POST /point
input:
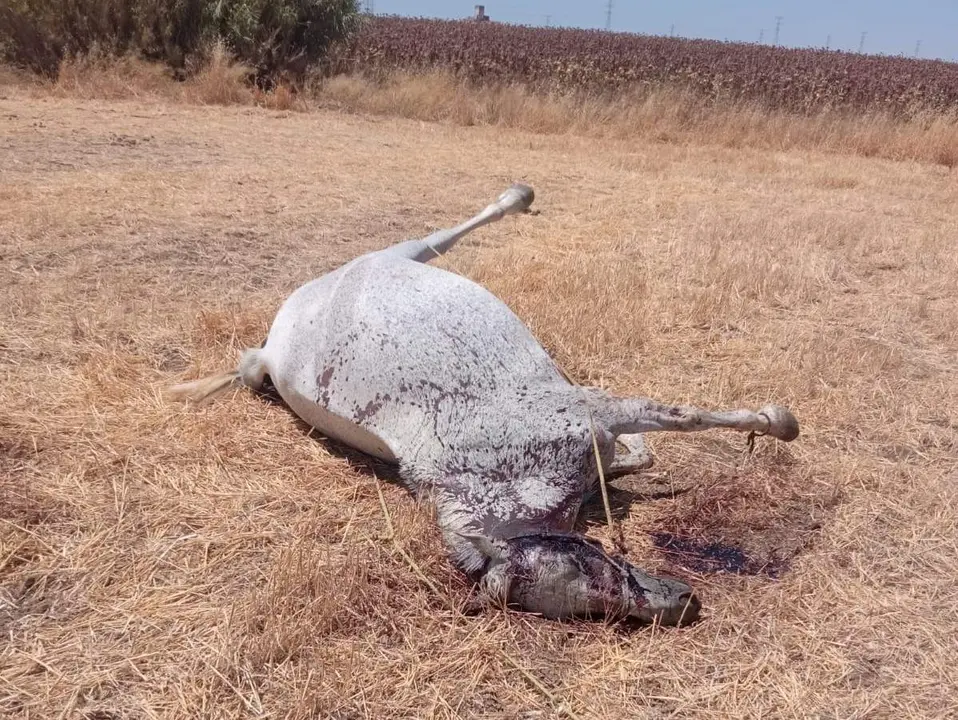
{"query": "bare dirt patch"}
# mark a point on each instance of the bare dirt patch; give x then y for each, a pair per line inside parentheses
(157, 561)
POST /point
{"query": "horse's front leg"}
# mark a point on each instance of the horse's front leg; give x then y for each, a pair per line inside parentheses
(625, 416)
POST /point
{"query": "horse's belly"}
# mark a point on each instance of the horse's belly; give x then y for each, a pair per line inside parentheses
(388, 355)
(368, 439)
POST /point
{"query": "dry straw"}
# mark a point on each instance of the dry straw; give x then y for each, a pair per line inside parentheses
(165, 562)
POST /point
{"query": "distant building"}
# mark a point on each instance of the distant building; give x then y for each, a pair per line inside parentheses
(480, 15)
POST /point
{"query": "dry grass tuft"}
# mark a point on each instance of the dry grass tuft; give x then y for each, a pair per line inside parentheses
(110, 78)
(221, 81)
(158, 560)
(282, 97)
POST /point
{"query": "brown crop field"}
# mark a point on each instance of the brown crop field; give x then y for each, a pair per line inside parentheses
(604, 63)
(223, 561)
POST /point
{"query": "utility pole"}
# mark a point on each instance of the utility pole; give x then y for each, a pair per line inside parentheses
(861, 43)
(917, 48)
(828, 42)
(761, 35)
(548, 20)
(608, 15)
(672, 30)
(778, 24)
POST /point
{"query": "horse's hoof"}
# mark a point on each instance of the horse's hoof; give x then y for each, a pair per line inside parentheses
(781, 423)
(517, 198)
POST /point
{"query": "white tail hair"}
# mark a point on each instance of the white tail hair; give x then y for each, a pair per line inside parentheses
(251, 373)
(204, 388)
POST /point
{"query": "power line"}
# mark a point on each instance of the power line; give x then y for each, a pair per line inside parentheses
(778, 24)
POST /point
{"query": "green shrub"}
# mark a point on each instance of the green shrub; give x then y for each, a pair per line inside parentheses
(271, 36)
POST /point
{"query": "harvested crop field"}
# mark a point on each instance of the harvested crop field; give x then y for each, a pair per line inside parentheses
(168, 561)
(598, 62)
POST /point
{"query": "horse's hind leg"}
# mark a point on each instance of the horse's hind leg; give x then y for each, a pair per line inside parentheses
(517, 198)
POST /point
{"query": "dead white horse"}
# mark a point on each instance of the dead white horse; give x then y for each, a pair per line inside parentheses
(422, 368)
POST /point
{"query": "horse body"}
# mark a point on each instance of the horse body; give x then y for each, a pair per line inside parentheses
(424, 369)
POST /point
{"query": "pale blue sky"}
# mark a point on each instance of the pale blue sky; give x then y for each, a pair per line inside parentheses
(892, 27)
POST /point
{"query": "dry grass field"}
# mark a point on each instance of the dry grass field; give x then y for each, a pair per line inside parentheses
(166, 561)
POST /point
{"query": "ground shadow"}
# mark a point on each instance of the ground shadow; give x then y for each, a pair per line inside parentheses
(621, 500)
(361, 462)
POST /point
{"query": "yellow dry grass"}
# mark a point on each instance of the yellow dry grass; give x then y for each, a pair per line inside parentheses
(219, 81)
(160, 561)
(662, 115)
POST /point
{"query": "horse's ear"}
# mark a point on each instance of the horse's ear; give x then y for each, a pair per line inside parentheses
(492, 548)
